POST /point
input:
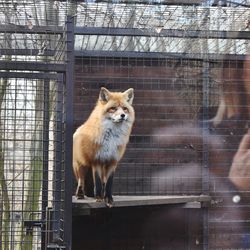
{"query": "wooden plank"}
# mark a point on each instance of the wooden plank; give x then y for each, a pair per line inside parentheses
(83, 206)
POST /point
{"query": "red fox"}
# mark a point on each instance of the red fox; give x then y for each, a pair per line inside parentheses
(101, 141)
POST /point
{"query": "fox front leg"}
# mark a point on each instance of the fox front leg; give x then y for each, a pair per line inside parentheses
(108, 191)
(79, 190)
(98, 187)
(80, 173)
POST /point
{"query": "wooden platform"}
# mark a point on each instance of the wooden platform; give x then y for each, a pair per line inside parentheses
(84, 206)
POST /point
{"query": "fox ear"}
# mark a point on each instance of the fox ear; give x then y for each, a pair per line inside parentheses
(104, 95)
(129, 95)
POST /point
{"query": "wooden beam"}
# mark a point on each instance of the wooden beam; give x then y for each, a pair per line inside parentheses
(83, 206)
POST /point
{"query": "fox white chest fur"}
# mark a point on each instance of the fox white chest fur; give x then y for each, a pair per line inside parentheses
(112, 136)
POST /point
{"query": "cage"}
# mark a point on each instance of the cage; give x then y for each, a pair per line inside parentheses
(188, 62)
(34, 125)
(182, 58)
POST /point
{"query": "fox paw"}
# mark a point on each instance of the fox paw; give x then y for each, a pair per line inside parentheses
(109, 202)
(79, 193)
(99, 199)
(80, 196)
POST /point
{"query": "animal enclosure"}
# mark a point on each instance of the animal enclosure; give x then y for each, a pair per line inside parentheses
(35, 126)
(189, 65)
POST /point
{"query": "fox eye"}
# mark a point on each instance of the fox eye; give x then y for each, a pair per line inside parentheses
(112, 109)
(125, 109)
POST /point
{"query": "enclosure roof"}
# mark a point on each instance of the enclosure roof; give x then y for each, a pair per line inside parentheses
(138, 26)
(162, 28)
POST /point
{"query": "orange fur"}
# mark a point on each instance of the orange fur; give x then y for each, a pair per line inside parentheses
(101, 141)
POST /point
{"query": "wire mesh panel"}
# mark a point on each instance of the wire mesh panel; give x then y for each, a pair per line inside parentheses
(32, 162)
(188, 62)
(167, 94)
(33, 127)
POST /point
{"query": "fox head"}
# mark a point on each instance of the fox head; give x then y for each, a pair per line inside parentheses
(117, 106)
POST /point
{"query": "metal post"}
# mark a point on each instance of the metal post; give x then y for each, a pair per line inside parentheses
(205, 129)
(45, 156)
(205, 153)
(69, 132)
(57, 187)
(48, 227)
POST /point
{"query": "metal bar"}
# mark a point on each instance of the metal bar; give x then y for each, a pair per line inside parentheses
(32, 66)
(22, 29)
(205, 229)
(205, 132)
(54, 246)
(26, 52)
(158, 55)
(205, 148)
(57, 177)
(152, 2)
(49, 227)
(166, 2)
(26, 75)
(46, 118)
(187, 229)
(207, 34)
(226, 3)
(69, 131)
(205, 128)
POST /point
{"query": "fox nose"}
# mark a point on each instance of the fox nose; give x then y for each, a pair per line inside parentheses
(122, 116)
